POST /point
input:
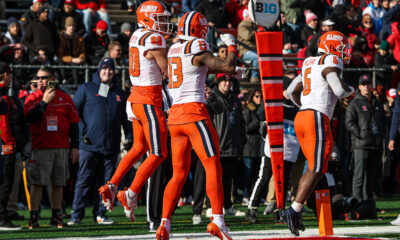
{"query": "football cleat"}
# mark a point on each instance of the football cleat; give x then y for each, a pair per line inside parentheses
(294, 221)
(107, 193)
(220, 232)
(128, 203)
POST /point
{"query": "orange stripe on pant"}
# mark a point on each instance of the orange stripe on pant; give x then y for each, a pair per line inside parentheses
(149, 133)
(204, 139)
(314, 134)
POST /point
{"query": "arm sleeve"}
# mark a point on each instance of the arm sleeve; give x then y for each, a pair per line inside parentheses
(74, 135)
(291, 87)
(36, 113)
(336, 86)
(394, 127)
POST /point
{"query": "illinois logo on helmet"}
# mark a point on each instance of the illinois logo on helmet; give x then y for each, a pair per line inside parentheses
(154, 16)
(334, 42)
(192, 25)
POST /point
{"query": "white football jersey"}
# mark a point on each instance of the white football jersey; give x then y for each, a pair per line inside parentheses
(317, 94)
(186, 81)
(142, 71)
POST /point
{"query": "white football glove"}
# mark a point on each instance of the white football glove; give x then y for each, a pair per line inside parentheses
(228, 39)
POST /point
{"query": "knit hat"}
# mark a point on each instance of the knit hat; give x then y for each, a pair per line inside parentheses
(35, 1)
(384, 45)
(309, 16)
(102, 25)
(70, 21)
(11, 21)
(106, 63)
(72, 2)
(43, 9)
(391, 93)
(125, 26)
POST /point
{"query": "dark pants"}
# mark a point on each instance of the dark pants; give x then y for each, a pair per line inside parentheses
(95, 170)
(228, 171)
(199, 184)
(7, 174)
(366, 166)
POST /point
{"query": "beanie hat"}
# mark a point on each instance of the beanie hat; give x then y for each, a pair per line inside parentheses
(102, 25)
(11, 21)
(69, 2)
(35, 1)
(384, 45)
(309, 16)
(106, 63)
(391, 93)
(125, 26)
(69, 21)
(43, 9)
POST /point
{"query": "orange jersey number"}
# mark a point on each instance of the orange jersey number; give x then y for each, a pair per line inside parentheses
(156, 40)
(134, 69)
(307, 82)
(177, 61)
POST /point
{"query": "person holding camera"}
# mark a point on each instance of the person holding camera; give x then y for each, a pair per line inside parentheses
(102, 109)
(54, 134)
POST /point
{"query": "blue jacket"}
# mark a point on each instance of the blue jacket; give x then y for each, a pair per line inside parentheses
(101, 118)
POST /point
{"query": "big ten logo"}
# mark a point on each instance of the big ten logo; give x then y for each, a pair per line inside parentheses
(288, 129)
(317, 196)
(270, 8)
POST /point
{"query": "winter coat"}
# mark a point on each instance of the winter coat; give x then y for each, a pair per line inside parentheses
(41, 34)
(365, 122)
(253, 136)
(246, 34)
(384, 78)
(101, 117)
(394, 41)
(95, 48)
(66, 52)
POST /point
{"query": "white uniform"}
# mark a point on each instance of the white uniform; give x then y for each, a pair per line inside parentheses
(317, 94)
(142, 71)
(186, 80)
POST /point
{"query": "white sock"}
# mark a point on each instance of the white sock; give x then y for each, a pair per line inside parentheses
(131, 194)
(219, 220)
(167, 224)
(297, 206)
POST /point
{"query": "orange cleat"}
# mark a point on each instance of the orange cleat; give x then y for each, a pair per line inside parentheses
(129, 204)
(107, 193)
(220, 232)
(162, 233)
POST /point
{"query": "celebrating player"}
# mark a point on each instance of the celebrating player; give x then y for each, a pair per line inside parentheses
(147, 69)
(189, 123)
(316, 90)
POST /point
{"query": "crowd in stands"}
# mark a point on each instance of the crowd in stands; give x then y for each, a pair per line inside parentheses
(77, 32)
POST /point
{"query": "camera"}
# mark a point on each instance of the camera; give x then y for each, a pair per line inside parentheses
(51, 84)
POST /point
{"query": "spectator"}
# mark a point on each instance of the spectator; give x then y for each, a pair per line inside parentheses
(388, 18)
(231, 142)
(346, 19)
(215, 13)
(394, 40)
(290, 40)
(32, 14)
(311, 27)
(188, 5)
(14, 33)
(71, 50)
(294, 13)
(356, 61)
(93, 9)
(367, 53)
(123, 38)
(368, 32)
(312, 48)
(376, 11)
(115, 53)
(7, 159)
(365, 121)
(384, 59)
(246, 34)
(68, 10)
(21, 75)
(41, 32)
(101, 107)
(54, 133)
(235, 9)
(252, 148)
(96, 43)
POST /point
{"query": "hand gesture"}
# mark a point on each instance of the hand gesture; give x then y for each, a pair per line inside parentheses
(228, 39)
(49, 95)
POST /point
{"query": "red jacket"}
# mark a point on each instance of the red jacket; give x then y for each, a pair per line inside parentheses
(94, 4)
(394, 41)
(6, 134)
(52, 128)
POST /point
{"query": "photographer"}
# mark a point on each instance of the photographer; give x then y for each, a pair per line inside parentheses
(54, 121)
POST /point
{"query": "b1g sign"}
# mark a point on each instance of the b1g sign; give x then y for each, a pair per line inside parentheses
(264, 12)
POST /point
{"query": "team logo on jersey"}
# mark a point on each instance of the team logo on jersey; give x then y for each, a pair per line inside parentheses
(148, 8)
(118, 98)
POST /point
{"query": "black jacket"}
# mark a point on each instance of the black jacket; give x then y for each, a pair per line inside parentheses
(361, 117)
(384, 78)
(41, 34)
(95, 48)
(230, 126)
(253, 136)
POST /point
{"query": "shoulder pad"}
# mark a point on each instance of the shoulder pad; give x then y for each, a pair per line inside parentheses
(149, 40)
(196, 46)
(331, 60)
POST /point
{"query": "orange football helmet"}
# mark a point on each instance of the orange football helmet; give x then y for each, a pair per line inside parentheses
(334, 42)
(154, 16)
(192, 25)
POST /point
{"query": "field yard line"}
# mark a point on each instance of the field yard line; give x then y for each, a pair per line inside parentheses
(270, 234)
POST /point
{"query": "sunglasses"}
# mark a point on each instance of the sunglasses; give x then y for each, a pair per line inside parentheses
(367, 22)
(42, 77)
(257, 96)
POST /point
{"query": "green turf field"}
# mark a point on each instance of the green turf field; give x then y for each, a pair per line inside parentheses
(182, 222)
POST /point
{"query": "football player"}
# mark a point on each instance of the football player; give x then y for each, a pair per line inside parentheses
(147, 69)
(316, 91)
(189, 60)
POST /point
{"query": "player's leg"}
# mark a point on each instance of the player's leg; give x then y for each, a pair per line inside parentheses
(181, 148)
(204, 139)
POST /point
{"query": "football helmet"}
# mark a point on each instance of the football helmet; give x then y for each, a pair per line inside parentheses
(192, 25)
(334, 42)
(154, 16)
